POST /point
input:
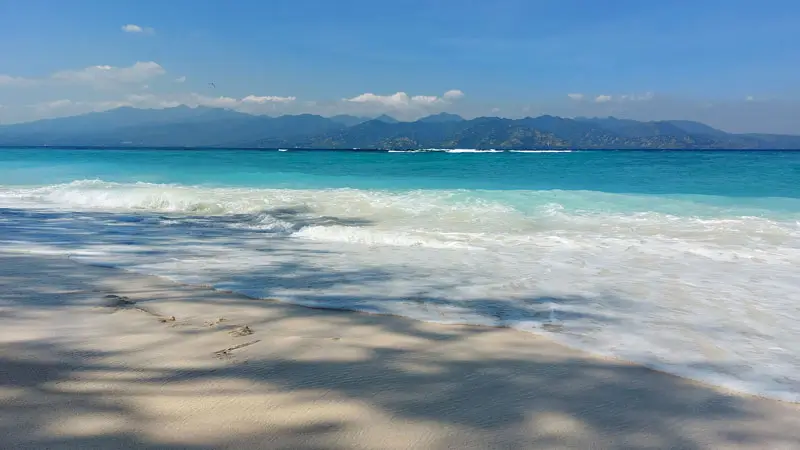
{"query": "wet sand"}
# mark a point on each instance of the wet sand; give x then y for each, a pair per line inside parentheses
(95, 357)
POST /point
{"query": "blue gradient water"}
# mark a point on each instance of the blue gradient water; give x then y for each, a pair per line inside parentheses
(684, 261)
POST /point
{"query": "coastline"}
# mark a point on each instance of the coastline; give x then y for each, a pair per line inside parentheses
(84, 369)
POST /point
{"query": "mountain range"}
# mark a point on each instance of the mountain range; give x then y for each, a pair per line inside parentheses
(183, 126)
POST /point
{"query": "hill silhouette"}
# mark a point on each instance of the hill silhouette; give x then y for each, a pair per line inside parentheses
(183, 126)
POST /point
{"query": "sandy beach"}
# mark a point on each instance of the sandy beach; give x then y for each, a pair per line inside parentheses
(94, 357)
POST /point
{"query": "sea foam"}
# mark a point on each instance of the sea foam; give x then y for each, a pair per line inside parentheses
(693, 286)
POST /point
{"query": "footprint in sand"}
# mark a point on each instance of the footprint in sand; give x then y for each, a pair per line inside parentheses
(121, 302)
(211, 323)
(227, 353)
(118, 301)
(241, 331)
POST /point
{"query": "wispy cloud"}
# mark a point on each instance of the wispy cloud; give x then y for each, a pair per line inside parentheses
(575, 96)
(100, 76)
(108, 75)
(397, 100)
(63, 107)
(8, 80)
(637, 97)
(453, 94)
(602, 98)
(67, 107)
(180, 79)
(132, 28)
(249, 103)
(267, 99)
(401, 100)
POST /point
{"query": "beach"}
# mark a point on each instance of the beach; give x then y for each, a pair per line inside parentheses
(97, 357)
(482, 234)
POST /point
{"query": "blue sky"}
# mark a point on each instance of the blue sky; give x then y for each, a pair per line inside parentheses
(734, 63)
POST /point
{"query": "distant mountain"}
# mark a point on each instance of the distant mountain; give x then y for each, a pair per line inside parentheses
(125, 117)
(220, 128)
(385, 118)
(441, 118)
(348, 120)
(635, 129)
(170, 127)
(696, 127)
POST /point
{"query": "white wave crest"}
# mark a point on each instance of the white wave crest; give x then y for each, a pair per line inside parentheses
(470, 150)
(686, 285)
(540, 151)
(366, 236)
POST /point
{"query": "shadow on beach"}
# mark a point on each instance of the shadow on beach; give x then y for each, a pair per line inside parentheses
(462, 386)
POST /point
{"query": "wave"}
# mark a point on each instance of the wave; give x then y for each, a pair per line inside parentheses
(540, 151)
(354, 235)
(497, 212)
(643, 278)
(471, 150)
(447, 150)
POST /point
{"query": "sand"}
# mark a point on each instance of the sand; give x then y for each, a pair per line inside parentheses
(95, 357)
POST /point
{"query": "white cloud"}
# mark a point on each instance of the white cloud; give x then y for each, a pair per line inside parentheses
(425, 99)
(397, 100)
(217, 102)
(749, 98)
(575, 96)
(102, 76)
(180, 79)
(602, 98)
(251, 103)
(8, 80)
(268, 99)
(495, 110)
(131, 28)
(108, 75)
(638, 97)
(402, 101)
(453, 94)
(66, 107)
(147, 101)
(57, 104)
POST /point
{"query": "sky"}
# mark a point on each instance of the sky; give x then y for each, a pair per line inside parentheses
(733, 64)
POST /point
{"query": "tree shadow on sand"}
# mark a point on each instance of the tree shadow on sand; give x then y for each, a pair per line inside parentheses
(484, 387)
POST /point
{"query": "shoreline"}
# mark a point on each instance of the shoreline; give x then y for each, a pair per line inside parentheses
(589, 354)
(82, 373)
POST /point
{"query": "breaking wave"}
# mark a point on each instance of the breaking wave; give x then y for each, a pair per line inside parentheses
(644, 278)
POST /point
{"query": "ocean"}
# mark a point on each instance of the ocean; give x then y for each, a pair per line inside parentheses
(684, 261)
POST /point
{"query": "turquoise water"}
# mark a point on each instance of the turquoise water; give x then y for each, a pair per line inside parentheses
(724, 173)
(683, 261)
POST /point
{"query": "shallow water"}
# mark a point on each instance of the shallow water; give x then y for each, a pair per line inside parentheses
(684, 261)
